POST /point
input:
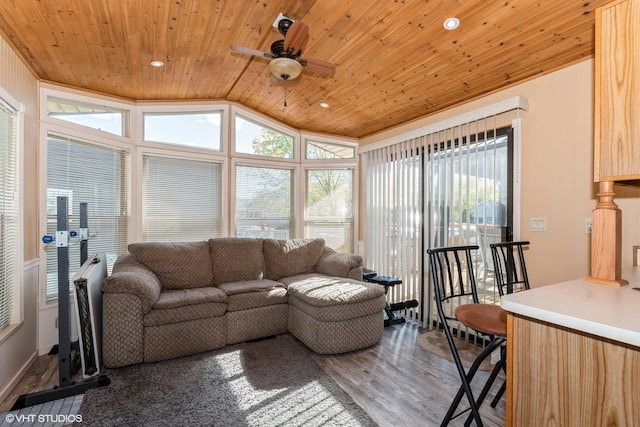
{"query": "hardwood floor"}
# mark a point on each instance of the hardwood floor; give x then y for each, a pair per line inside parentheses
(396, 381)
(401, 384)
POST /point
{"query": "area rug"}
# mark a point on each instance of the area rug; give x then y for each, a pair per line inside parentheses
(436, 342)
(273, 382)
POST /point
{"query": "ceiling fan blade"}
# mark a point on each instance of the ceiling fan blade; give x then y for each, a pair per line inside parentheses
(250, 51)
(318, 66)
(296, 37)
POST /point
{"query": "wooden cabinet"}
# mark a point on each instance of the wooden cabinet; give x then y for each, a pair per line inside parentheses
(558, 376)
(617, 93)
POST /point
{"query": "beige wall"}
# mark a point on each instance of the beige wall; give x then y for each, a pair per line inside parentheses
(557, 171)
(18, 348)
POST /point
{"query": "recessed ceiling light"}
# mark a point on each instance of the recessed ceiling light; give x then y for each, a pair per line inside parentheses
(451, 23)
(156, 63)
(324, 105)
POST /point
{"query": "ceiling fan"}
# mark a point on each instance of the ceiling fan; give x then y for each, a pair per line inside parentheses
(286, 62)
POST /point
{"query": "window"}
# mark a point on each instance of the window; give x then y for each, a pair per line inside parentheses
(181, 199)
(264, 202)
(323, 150)
(9, 211)
(106, 119)
(252, 138)
(329, 207)
(202, 129)
(86, 172)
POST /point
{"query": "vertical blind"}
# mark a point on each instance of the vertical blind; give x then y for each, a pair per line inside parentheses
(393, 216)
(181, 200)
(87, 172)
(9, 210)
(446, 186)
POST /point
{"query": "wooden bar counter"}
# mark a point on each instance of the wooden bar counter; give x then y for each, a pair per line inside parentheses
(573, 354)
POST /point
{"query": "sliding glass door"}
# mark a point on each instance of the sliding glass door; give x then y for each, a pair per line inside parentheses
(469, 196)
(446, 188)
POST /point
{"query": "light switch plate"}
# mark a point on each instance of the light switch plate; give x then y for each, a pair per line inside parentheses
(538, 224)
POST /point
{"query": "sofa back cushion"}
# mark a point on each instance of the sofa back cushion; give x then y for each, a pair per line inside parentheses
(178, 265)
(285, 258)
(236, 259)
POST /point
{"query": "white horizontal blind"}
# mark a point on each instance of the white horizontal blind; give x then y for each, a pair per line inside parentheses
(87, 172)
(328, 210)
(181, 199)
(9, 210)
(264, 202)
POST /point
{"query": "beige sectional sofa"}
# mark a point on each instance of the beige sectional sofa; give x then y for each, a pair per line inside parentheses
(166, 300)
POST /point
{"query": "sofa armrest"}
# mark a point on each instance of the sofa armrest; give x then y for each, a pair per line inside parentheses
(337, 264)
(129, 276)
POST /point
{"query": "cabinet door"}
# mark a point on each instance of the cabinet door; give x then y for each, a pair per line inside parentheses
(617, 113)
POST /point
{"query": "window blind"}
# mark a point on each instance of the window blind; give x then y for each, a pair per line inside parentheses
(182, 199)
(446, 184)
(9, 210)
(264, 202)
(84, 171)
(328, 211)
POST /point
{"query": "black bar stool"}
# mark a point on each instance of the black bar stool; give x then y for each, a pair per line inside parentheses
(454, 283)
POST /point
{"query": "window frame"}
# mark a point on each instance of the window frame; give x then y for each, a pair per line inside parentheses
(269, 124)
(297, 228)
(183, 108)
(173, 152)
(16, 302)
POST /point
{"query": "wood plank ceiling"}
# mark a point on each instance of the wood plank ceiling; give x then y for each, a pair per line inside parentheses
(395, 62)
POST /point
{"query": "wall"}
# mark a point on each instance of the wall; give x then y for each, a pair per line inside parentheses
(18, 349)
(557, 171)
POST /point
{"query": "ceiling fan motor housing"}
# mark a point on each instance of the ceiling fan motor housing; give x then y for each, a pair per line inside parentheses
(283, 25)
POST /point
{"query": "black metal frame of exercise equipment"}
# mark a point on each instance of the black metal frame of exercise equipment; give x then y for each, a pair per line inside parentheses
(388, 281)
(66, 386)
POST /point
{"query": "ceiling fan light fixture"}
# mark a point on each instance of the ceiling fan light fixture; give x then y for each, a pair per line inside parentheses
(285, 68)
(451, 23)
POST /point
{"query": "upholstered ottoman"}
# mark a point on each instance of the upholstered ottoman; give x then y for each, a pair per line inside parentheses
(335, 315)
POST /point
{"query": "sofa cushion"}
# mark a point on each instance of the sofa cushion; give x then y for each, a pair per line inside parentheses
(246, 286)
(186, 297)
(185, 305)
(284, 258)
(178, 265)
(323, 291)
(236, 259)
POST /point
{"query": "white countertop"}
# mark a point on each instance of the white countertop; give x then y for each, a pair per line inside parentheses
(607, 311)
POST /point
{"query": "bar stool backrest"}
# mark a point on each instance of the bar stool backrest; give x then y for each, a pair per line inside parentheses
(510, 268)
(453, 279)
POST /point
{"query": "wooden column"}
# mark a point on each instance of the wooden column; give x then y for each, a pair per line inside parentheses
(606, 239)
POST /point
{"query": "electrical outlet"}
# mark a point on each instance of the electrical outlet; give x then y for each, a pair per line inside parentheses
(57, 326)
(587, 225)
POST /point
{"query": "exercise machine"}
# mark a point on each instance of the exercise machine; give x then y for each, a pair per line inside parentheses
(66, 385)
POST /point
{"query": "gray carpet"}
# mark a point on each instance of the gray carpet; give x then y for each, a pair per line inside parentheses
(274, 382)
